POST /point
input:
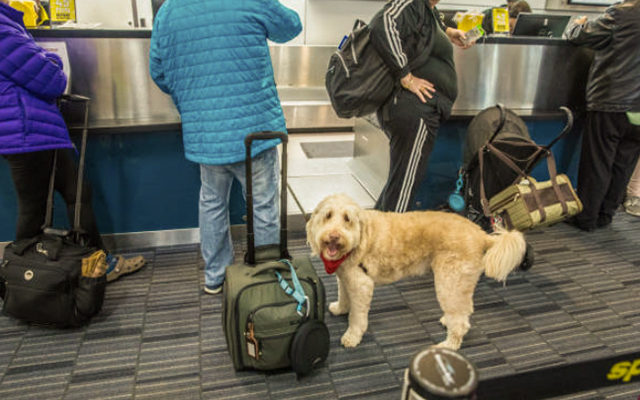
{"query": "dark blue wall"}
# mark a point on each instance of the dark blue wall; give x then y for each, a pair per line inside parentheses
(446, 158)
(142, 181)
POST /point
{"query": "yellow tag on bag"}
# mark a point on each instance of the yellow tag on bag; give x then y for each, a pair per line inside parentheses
(95, 265)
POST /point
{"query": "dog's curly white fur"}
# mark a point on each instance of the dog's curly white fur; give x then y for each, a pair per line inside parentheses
(384, 247)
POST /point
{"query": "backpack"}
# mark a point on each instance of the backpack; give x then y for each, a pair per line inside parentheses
(358, 80)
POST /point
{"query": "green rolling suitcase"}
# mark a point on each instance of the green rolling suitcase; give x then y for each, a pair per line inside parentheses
(273, 305)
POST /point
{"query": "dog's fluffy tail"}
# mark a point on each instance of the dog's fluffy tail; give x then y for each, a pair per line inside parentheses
(505, 254)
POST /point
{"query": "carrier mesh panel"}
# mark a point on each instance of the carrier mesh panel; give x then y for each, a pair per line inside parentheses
(483, 126)
(513, 139)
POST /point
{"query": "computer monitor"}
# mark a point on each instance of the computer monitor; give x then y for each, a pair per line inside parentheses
(593, 2)
(545, 25)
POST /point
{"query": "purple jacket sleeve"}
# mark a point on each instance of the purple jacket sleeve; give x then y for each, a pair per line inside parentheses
(30, 67)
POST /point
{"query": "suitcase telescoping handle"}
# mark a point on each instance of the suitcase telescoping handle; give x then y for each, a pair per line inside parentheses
(266, 135)
(76, 229)
(270, 267)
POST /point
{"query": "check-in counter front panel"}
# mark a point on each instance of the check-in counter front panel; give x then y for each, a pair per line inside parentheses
(112, 67)
(135, 161)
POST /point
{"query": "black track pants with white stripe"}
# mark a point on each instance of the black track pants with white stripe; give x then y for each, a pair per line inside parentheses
(411, 127)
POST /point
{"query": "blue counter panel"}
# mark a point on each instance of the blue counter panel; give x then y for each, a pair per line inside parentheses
(141, 182)
(446, 158)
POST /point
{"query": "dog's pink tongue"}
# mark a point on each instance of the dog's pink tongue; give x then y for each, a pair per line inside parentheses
(332, 250)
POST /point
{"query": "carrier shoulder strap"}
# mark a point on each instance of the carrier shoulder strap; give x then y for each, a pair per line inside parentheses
(551, 165)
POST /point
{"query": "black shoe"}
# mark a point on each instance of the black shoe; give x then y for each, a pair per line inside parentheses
(604, 220)
(577, 224)
(528, 260)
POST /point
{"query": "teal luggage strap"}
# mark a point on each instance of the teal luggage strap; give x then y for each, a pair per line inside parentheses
(297, 292)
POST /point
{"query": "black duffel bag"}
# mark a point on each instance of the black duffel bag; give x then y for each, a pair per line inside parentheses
(41, 282)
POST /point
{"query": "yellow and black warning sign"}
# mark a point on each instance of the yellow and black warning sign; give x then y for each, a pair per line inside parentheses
(62, 10)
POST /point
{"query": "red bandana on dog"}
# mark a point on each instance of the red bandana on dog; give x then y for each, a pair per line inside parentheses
(332, 265)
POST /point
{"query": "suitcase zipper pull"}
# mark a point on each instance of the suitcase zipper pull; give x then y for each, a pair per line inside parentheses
(40, 249)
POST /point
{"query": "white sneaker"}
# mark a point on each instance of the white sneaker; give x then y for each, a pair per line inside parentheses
(632, 205)
(213, 289)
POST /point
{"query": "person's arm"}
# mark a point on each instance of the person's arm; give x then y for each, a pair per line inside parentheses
(31, 67)
(282, 24)
(388, 27)
(156, 69)
(596, 34)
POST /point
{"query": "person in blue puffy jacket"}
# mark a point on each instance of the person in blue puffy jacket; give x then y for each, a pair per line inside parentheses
(213, 58)
(32, 129)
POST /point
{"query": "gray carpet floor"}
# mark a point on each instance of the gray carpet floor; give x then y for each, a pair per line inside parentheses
(160, 337)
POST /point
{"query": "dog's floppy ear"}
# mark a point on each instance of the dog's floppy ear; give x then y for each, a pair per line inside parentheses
(311, 222)
(358, 217)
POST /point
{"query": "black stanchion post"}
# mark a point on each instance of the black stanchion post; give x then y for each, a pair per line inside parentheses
(439, 374)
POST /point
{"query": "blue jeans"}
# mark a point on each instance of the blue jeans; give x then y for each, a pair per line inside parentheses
(215, 190)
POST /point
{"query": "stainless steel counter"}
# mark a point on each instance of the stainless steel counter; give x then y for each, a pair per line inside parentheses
(524, 74)
(111, 67)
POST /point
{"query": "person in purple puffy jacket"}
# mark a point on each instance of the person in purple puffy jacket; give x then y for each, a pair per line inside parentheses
(32, 129)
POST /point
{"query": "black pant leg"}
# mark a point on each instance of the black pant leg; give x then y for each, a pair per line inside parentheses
(624, 163)
(30, 173)
(600, 142)
(411, 127)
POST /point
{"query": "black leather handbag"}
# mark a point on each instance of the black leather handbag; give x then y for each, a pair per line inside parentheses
(41, 279)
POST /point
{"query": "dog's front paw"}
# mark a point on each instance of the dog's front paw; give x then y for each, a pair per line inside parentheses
(350, 339)
(336, 309)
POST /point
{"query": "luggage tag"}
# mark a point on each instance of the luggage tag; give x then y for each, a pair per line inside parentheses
(253, 348)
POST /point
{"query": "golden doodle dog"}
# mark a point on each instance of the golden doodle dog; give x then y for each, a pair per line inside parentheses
(368, 247)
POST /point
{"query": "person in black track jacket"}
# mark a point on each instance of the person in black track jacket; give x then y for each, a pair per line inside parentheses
(417, 47)
(611, 138)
